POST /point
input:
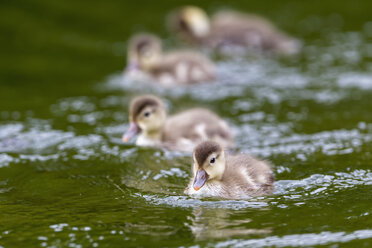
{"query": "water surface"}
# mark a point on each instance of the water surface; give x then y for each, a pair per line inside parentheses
(66, 180)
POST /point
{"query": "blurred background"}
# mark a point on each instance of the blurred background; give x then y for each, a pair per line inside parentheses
(63, 48)
(67, 181)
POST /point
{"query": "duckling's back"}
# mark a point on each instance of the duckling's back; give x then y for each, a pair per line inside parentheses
(246, 175)
(252, 31)
(185, 130)
(185, 67)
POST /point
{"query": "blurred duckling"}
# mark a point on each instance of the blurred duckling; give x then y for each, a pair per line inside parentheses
(180, 132)
(148, 62)
(227, 29)
(231, 177)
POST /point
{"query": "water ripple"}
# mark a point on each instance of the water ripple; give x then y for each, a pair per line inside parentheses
(298, 240)
(186, 202)
(316, 184)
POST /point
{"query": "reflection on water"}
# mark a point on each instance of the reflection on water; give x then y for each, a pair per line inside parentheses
(216, 223)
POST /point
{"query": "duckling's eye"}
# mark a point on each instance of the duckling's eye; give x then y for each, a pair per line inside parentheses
(212, 160)
(147, 114)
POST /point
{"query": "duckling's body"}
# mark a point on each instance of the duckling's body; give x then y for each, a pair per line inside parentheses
(146, 58)
(180, 132)
(183, 67)
(233, 177)
(229, 29)
(187, 129)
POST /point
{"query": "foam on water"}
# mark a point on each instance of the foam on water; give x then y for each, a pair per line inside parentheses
(81, 142)
(34, 140)
(41, 143)
(173, 172)
(355, 80)
(272, 140)
(9, 130)
(318, 184)
(5, 159)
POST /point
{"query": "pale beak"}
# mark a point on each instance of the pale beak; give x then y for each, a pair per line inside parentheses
(200, 179)
(131, 132)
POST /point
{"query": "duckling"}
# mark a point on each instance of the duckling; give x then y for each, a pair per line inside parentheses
(180, 132)
(147, 62)
(231, 177)
(228, 29)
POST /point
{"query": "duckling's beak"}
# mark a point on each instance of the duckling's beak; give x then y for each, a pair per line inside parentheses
(131, 132)
(200, 179)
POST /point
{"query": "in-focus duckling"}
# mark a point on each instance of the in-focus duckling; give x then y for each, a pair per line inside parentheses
(146, 61)
(180, 132)
(227, 29)
(231, 177)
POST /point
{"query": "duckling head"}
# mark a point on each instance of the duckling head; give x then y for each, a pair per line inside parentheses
(209, 163)
(191, 21)
(144, 51)
(147, 114)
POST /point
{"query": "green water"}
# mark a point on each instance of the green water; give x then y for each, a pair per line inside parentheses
(67, 181)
